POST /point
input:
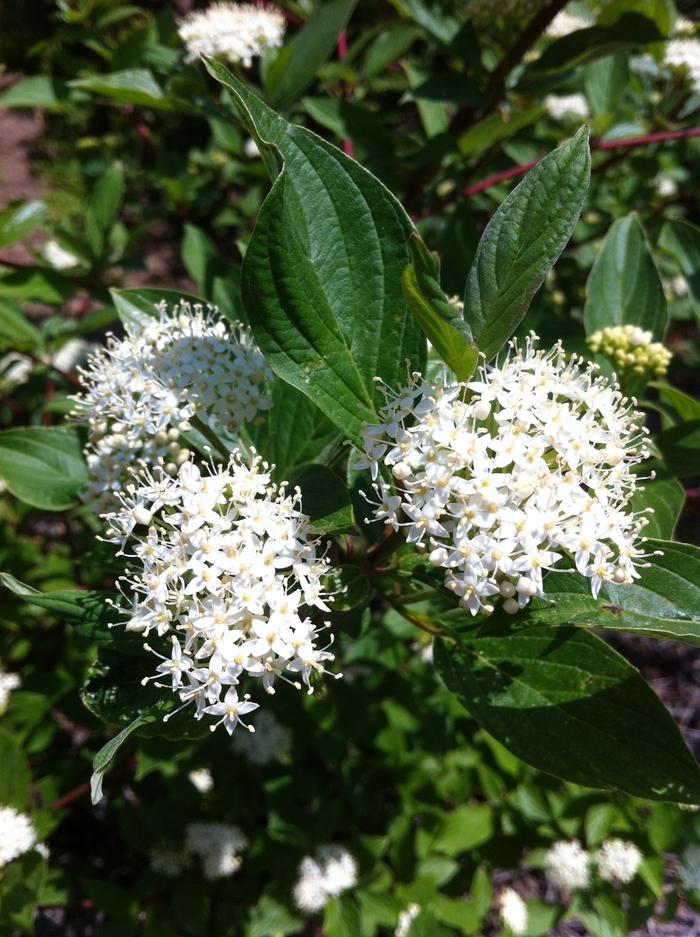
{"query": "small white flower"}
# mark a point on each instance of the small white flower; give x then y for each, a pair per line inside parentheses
(237, 32)
(202, 779)
(618, 861)
(568, 865)
(270, 741)
(406, 918)
(513, 911)
(565, 23)
(17, 834)
(58, 257)
(217, 845)
(8, 683)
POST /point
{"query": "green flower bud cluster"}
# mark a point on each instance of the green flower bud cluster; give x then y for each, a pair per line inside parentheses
(631, 350)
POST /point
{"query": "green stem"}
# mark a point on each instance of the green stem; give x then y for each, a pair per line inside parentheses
(210, 436)
(416, 620)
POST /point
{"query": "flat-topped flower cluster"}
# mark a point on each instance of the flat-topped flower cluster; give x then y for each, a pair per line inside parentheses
(181, 363)
(506, 475)
(225, 566)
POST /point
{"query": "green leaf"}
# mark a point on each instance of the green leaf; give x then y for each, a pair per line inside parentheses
(16, 331)
(564, 702)
(441, 322)
(322, 275)
(35, 91)
(687, 407)
(89, 611)
(680, 448)
(433, 114)
(299, 59)
(104, 758)
(522, 241)
(624, 286)
(294, 432)
(14, 777)
(135, 306)
(43, 466)
(269, 918)
(594, 42)
(598, 823)
(341, 918)
(19, 219)
(389, 46)
(130, 86)
(34, 284)
(324, 499)
(606, 81)
(664, 494)
(103, 207)
(682, 239)
(464, 829)
(496, 127)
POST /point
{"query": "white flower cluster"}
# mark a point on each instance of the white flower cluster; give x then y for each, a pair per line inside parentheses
(202, 780)
(560, 106)
(183, 363)
(406, 918)
(270, 741)
(568, 865)
(507, 475)
(226, 565)
(17, 834)
(618, 861)
(237, 32)
(513, 911)
(631, 350)
(8, 683)
(689, 869)
(333, 871)
(684, 51)
(216, 845)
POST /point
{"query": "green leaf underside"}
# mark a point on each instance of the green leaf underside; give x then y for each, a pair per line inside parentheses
(522, 241)
(133, 305)
(441, 322)
(104, 758)
(564, 702)
(624, 286)
(322, 275)
(43, 466)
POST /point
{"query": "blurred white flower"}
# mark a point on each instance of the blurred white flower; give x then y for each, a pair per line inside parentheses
(567, 865)
(406, 918)
(513, 911)
(250, 148)
(237, 32)
(73, 353)
(270, 741)
(58, 257)
(333, 871)
(17, 834)
(202, 779)
(217, 845)
(666, 187)
(689, 869)
(618, 861)
(565, 23)
(15, 370)
(560, 106)
(683, 51)
(168, 861)
(8, 683)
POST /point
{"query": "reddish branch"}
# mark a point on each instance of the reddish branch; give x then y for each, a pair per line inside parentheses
(627, 143)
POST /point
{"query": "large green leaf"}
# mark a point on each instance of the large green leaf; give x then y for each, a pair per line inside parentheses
(130, 86)
(624, 286)
(14, 776)
(89, 612)
(441, 321)
(322, 275)
(682, 239)
(522, 241)
(606, 81)
(664, 494)
(35, 91)
(325, 499)
(298, 60)
(43, 465)
(566, 703)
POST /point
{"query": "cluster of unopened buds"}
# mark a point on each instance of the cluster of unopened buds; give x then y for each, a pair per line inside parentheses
(506, 476)
(225, 569)
(631, 350)
(183, 363)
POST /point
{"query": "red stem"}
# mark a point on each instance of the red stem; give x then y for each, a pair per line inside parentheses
(72, 795)
(627, 143)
